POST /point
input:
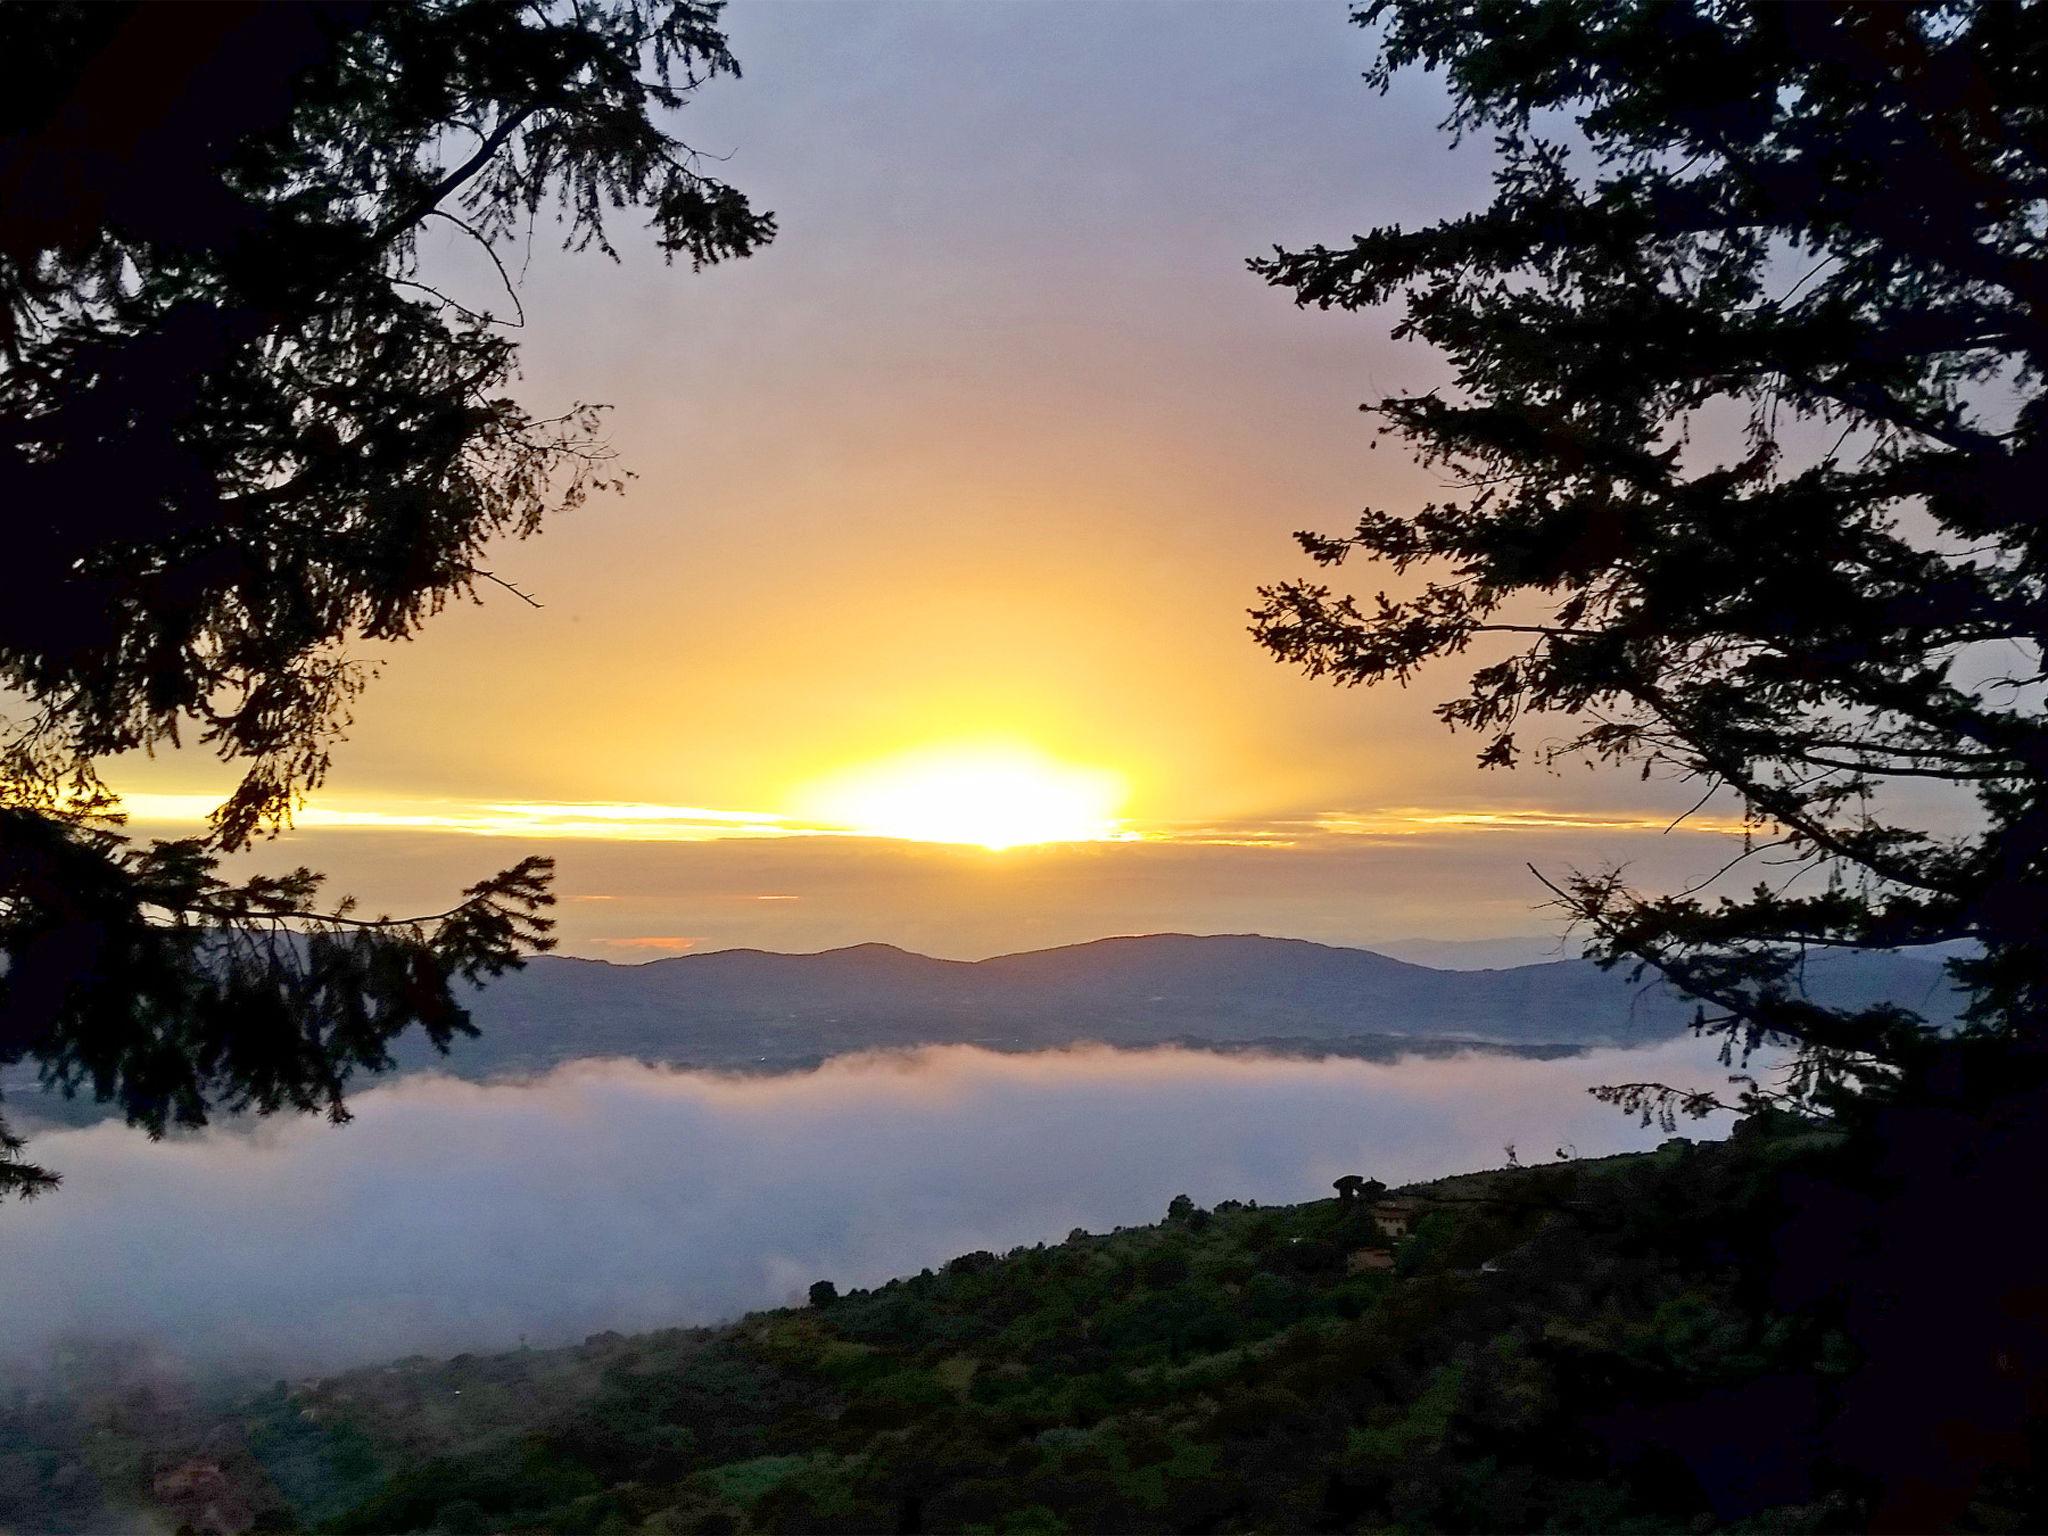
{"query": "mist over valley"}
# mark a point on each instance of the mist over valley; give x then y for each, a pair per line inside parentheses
(450, 1216)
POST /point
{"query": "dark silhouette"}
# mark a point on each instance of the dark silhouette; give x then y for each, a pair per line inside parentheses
(1354, 1188)
(237, 430)
(1745, 455)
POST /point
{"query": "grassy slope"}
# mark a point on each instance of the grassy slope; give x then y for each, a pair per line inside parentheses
(1222, 1371)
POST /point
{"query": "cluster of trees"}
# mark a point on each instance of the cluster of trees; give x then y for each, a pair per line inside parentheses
(1575, 1346)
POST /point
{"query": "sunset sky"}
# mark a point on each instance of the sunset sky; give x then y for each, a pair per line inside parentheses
(948, 510)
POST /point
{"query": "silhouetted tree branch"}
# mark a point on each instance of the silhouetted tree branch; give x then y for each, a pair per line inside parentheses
(234, 439)
(1767, 611)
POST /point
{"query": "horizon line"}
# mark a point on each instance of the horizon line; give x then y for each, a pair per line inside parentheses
(634, 821)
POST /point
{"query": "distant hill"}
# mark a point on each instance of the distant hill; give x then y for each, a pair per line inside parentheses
(754, 1010)
(746, 1007)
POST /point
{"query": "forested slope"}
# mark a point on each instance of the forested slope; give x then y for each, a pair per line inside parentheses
(1578, 1346)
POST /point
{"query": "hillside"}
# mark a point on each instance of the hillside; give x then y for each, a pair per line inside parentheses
(751, 1008)
(1579, 1347)
(756, 1011)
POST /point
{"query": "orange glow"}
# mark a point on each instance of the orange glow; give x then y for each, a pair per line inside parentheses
(543, 820)
(980, 796)
(988, 796)
(1414, 820)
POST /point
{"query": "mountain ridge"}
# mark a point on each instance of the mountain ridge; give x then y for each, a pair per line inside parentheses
(754, 1008)
(882, 946)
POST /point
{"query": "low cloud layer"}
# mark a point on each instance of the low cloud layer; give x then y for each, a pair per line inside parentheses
(452, 1216)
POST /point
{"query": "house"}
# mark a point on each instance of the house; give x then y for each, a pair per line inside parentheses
(1394, 1218)
(1362, 1261)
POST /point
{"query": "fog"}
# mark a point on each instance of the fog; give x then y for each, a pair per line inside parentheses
(454, 1216)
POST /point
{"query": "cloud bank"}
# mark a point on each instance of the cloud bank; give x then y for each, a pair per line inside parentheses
(452, 1216)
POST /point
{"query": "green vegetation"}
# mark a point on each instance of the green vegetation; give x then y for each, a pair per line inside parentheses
(1578, 1346)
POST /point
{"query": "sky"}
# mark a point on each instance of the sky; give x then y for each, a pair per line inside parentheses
(947, 511)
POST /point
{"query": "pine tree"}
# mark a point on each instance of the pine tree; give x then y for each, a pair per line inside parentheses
(1747, 440)
(238, 430)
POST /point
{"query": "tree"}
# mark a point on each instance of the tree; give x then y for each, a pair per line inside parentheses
(1745, 443)
(1745, 436)
(238, 431)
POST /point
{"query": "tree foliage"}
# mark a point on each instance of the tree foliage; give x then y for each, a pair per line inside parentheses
(238, 433)
(1745, 436)
(1571, 1347)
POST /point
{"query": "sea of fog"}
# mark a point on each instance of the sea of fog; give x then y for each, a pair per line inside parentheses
(452, 1216)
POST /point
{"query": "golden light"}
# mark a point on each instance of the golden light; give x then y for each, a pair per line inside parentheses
(601, 820)
(989, 796)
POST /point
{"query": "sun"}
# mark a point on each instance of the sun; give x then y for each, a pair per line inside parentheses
(988, 796)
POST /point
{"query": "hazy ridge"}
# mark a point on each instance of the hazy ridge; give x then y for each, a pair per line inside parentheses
(758, 1010)
(746, 1007)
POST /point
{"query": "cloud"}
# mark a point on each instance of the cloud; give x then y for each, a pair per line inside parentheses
(1419, 819)
(451, 1215)
(641, 822)
(671, 944)
(578, 820)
